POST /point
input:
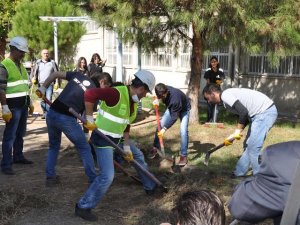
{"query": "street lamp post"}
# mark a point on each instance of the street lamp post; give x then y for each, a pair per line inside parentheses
(55, 20)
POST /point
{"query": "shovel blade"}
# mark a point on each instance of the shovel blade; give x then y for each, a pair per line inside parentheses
(206, 159)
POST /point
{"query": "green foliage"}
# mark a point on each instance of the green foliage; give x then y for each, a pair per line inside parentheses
(6, 13)
(39, 33)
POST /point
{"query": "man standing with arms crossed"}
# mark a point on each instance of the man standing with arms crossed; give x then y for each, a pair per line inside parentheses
(15, 101)
(42, 70)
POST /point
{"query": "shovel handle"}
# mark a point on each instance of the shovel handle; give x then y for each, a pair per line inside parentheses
(118, 149)
(161, 142)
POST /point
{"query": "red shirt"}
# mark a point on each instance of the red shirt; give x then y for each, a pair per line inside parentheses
(111, 96)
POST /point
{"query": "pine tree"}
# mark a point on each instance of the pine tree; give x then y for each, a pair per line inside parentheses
(6, 13)
(205, 24)
(27, 23)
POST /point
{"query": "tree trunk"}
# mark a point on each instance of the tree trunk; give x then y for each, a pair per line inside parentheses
(2, 47)
(196, 69)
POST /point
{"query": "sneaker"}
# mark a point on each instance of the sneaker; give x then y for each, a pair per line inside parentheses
(52, 181)
(85, 214)
(182, 161)
(153, 152)
(8, 171)
(23, 161)
(43, 117)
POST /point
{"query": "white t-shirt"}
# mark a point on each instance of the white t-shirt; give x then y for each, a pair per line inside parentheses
(254, 101)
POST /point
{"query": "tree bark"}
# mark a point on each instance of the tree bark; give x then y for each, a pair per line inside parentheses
(196, 69)
(2, 47)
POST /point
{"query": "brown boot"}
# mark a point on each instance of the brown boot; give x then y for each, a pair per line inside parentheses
(182, 161)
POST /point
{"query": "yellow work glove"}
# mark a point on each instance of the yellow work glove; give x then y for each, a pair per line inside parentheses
(128, 154)
(34, 80)
(218, 82)
(41, 91)
(155, 102)
(160, 134)
(56, 86)
(31, 108)
(90, 123)
(6, 113)
(235, 136)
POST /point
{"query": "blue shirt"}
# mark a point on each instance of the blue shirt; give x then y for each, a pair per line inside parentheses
(177, 102)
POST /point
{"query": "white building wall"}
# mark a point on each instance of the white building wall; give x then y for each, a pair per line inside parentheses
(177, 72)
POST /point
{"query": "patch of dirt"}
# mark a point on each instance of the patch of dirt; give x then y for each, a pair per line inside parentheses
(24, 199)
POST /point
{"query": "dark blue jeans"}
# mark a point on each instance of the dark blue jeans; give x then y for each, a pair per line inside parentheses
(14, 132)
(57, 124)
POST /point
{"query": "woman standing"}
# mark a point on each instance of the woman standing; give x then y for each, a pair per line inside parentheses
(82, 67)
(96, 64)
(213, 74)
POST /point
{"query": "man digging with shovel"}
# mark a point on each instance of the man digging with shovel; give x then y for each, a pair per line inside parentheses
(117, 109)
(59, 120)
(249, 105)
(178, 106)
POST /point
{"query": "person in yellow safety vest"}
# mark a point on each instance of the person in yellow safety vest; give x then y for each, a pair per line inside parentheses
(15, 101)
(117, 109)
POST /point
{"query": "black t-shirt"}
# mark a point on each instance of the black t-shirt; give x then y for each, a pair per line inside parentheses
(73, 94)
(214, 76)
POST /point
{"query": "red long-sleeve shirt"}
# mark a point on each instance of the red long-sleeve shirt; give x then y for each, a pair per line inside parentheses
(110, 96)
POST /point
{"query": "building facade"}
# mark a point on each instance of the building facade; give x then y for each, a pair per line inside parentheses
(282, 84)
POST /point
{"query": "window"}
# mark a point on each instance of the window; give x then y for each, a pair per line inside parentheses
(223, 56)
(259, 64)
(92, 27)
(111, 47)
(161, 58)
(185, 56)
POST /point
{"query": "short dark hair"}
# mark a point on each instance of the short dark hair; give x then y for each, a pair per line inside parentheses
(102, 76)
(136, 83)
(212, 87)
(200, 207)
(160, 89)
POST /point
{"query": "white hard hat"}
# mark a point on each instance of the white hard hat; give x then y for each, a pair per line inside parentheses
(147, 78)
(20, 43)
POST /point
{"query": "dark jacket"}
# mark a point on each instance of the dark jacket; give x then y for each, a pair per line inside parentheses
(264, 195)
(176, 102)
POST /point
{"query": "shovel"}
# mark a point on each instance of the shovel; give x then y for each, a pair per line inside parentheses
(116, 164)
(121, 151)
(207, 155)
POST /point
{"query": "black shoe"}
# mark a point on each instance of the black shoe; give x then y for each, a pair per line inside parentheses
(85, 214)
(23, 161)
(8, 171)
(150, 192)
(52, 181)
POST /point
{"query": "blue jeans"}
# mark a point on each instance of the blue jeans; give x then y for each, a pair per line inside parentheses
(210, 112)
(58, 123)
(14, 132)
(260, 126)
(184, 132)
(48, 94)
(99, 187)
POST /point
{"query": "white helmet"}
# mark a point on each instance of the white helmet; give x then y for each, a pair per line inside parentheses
(20, 43)
(147, 78)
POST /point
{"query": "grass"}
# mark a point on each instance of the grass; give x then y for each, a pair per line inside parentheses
(216, 176)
